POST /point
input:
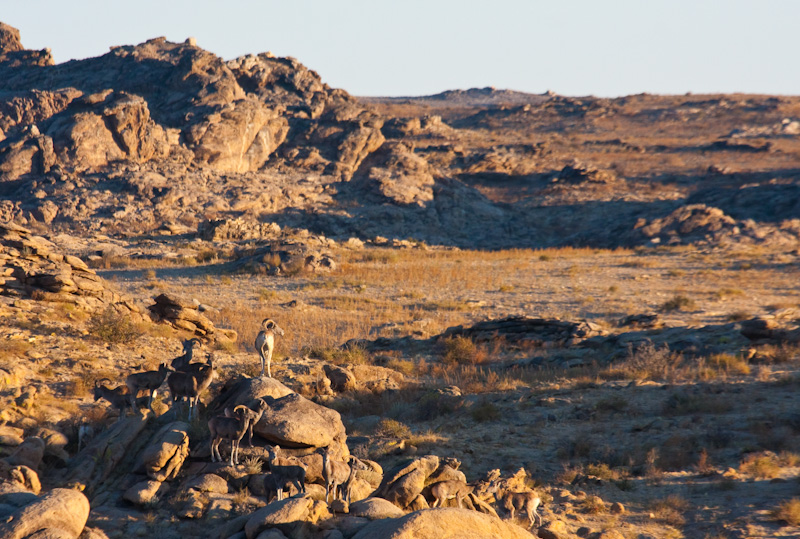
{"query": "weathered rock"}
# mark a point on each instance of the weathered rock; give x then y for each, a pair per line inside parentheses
(247, 391)
(292, 516)
(443, 523)
(294, 421)
(375, 508)
(405, 482)
(400, 175)
(145, 492)
(208, 483)
(29, 453)
(18, 479)
(239, 137)
(60, 509)
(342, 379)
(163, 457)
(101, 457)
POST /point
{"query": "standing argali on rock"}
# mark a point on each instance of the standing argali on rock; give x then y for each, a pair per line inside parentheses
(117, 396)
(253, 415)
(286, 471)
(228, 428)
(190, 382)
(334, 472)
(265, 341)
(146, 381)
(182, 361)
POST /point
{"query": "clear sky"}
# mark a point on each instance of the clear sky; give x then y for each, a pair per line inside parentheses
(418, 47)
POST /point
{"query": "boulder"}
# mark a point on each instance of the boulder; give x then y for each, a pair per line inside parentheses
(60, 509)
(247, 391)
(239, 137)
(294, 421)
(15, 479)
(29, 453)
(375, 508)
(342, 379)
(101, 457)
(145, 492)
(292, 516)
(55, 443)
(405, 482)
(443, 523)
(208, 483)
(163, 457)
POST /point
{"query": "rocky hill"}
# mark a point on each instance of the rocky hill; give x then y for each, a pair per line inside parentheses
(170, 133)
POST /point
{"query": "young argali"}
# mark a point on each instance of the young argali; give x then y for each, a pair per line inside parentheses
(334, 472)
(190, 384)
(518, 501)
(255, 417)
(146, 381)
(286, 471)
(117, 396)
(228, 428)
(265, 342)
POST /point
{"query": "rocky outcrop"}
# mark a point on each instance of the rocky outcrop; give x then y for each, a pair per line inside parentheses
(294, 421)
(288, 258)
(13, 54)
(30, 267)
(702, 224)
(396, 173)
(533, 331)
(240, 137)
(342, 379)
(295, 517)
(236, 229)
(186, 315)
(447, 523)
(164, 455)
(405, 482)
(61, 512)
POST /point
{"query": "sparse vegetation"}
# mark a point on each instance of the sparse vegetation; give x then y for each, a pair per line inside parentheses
(113, 327)
(678, 303)
(788, 512)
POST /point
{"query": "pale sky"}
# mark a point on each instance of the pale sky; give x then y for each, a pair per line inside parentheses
(418, 47)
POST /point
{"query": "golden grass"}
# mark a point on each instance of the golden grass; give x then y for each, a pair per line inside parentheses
(788, 512)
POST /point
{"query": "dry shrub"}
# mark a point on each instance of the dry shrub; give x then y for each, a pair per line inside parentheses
(761, 465)
(602, 471)
(391, 428)
(678, 303)
(462, 350)
(355, 355)
(730, 364)
(485, 411)
(788, 512)
(685, 403)
(670, 510)
(111, 326)
(593, 505)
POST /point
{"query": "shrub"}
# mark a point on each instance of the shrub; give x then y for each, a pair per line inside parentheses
(761, 465)
(670, 510)
(113, 327)
(788, 512)
(485, 411)
(391, 428)
(461, 350)
(678, 303)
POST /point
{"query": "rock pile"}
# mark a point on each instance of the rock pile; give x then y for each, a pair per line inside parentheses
(287, 258)
(187, 315)
(702, 224)
(532, 331)
(31, 268)
(236, 229)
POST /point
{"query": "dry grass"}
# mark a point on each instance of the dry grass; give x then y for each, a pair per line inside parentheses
(788, 512)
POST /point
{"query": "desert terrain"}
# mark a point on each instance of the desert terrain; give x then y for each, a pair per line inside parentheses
(593, 300)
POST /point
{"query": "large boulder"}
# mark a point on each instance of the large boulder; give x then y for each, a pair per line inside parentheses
(29, 453)
(163, 457)
(292, 516)
(60, 509)
(295, 421)
(145, 492)
(14, 479)
(238, 138)
(342, 379)
(443, 523)
(405, 482)
(101, 457)
(375, 508)
(246, 391)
